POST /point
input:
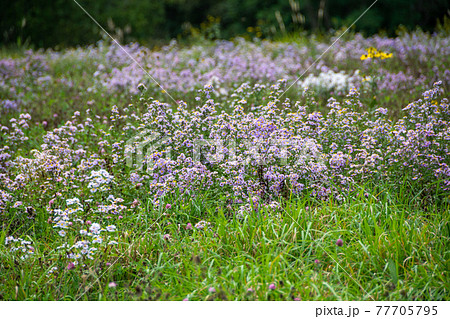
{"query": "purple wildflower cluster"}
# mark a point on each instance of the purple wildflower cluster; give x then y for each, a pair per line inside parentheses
(72, 180)
(17, 78)
(256, 154)
(186, 69)
(419, 60)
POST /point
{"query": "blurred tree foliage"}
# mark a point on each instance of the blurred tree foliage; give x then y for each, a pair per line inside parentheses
(50, 23)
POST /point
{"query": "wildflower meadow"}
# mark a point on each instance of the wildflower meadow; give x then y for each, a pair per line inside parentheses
(227, 170)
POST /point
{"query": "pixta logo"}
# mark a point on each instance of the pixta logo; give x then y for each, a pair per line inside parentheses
(142, 149)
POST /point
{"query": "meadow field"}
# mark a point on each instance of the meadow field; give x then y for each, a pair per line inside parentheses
(227, 170)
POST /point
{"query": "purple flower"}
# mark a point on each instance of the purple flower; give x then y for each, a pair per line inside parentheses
(189, 226)
(70, 266)
(10, 105)
(272, 287)
(168, 206)
(202, 224)
(339, 242)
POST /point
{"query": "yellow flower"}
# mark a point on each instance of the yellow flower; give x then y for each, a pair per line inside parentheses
(375, 53)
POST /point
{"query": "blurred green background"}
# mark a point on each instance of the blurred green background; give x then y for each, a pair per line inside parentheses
(61, 23)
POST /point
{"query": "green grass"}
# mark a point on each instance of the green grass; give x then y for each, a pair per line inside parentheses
(393, 250)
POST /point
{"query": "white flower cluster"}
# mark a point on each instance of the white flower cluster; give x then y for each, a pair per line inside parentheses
(202, 225)
(99, 180)
(330, 81)
(85, 246)
(20, 245)
(113, 208)
(91, 233)
(63, 218)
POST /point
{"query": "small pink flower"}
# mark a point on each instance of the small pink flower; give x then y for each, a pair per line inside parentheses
(189, 226)
(272, 287)
(120, 216)
(135, 203)
(50, 203)
(168, 206)
(70, 266)
(250, 290)
(186, 299)
(297, 299)
(112, 284)
(108, 264)
(212, 290)
(316, 261)
(166, 236)
(88, 222)
(44, 123)
(339, 242)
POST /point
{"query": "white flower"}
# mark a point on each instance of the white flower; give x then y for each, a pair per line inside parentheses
(99, 179)
(95, 228)
(62, 233)
(83, 232)
(73, 201)
(274, 205)
(8, 239)
(202, 224)
(61, 224)
(97, 240)
(53, 269)
(330, 81)
(111, 228)
(17, 204)
(81, 243)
